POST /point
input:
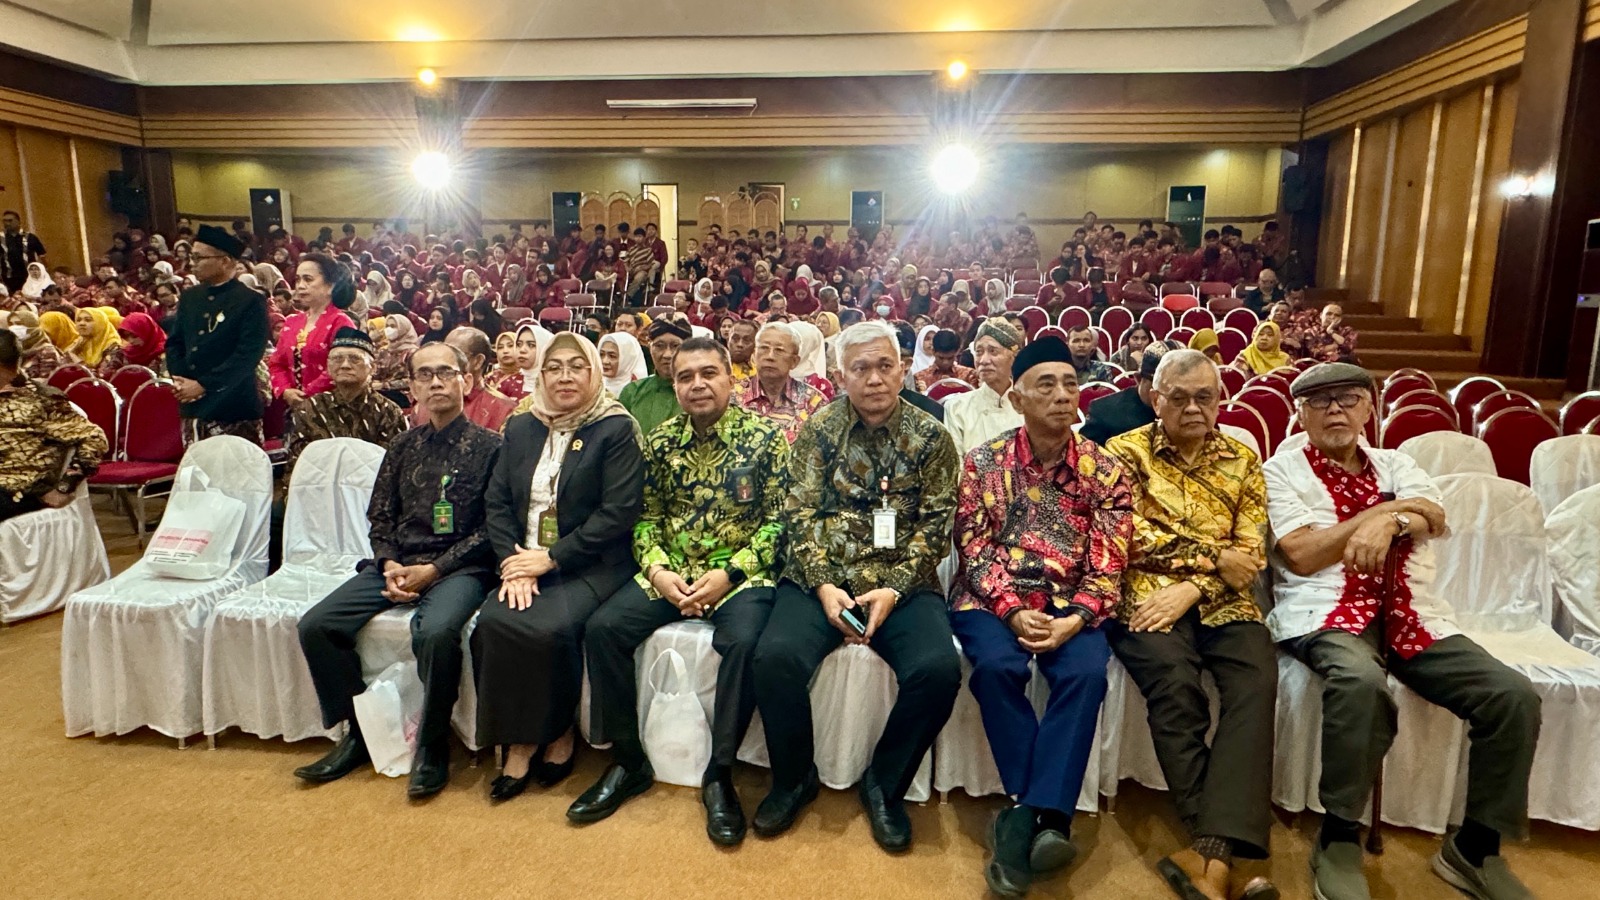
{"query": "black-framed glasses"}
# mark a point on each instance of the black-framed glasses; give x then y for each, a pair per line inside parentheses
(1345, 399)
(446, 375)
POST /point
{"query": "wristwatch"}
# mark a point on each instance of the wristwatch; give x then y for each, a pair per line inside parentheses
(736, 575)
(1404, 521)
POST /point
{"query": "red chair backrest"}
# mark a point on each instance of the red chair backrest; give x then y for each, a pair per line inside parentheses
(1223, 305)
(1495, 402)
(1035, 318)
(1028, 274)
(656, 312)
(1230, 343)
(1102, 340)
(1178, 287)
(558, 315)
(1020, 302)
(1181, 334)
(62, 378)
(1243, 319)
(1243, 415)
(1073, 316)
(1048, 331)
(1511, 435)
(1116, 321)
(947, 387)
(1197, 318)
(514, 314)
(1158, 320)
(1029, 287)
(1303, 364)
(567, 285)
(275, 420)
(675, 285)
(1273, 407)
(1466, 395)
(1216, 289)
(1124, 381)
(129, 379)
(1272, 381)
(1407, 422)
(99, 402)
(1232, 381)
(1400, 373)
(1395, 388)
(1427, 398)
(155, 430)
(1579, 412)
(1093, 391)
(1179, 302)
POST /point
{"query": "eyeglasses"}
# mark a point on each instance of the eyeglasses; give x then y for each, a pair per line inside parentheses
(579, 369)
(195, 256)
(1204, 399)
(446, 375)
(346, 359)
(1346, 400)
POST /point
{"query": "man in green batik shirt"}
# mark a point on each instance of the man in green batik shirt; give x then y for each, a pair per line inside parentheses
(716, 477)
(653, 400)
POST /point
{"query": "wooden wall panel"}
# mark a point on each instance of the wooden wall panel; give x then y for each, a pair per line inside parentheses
(55, 213)
(1335, 210)
(1362, 262)
(73, 233)
(1503, 116)
(1450, 212)
(1393, 286)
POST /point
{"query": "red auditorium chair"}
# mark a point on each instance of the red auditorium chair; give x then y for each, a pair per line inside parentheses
(1020, 302)
(1230, 343)
(1093, 391)
(1029, 274)
(676, 285)
(152, 450)
(128, 379)
(656, 312)
(1102, 341)
(1050, 331)
(1116, 321)
(1497, 401)
(1407, 422)
(1073, 316)
(1301, 365)
(1243, 319)
(556, 318)
(274, 425)
(1182, 334)
(1466, 395)
(1178, 303)
(1511, 435)
(1035, 318)
(1031, 288)
(1126, 380)
(1430, 399)
(1209, 289)
(1158, 320)
(100, 404)
(1178, 287)
(515, 315)
(1271, 380)
(1274, 408)
(947, 387)
(1243, 415)
(1224, 305)
(1579, 412)
(1197, 318)
(62, 378)
(1394, 388)
(1400, 373)
(1232, 381)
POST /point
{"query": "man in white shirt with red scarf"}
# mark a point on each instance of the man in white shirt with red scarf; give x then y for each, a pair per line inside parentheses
(1354, 569)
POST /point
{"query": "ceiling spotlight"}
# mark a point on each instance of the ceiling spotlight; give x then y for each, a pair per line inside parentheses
(957, 70)
(428, 77)
(955, 168)
(432, 170)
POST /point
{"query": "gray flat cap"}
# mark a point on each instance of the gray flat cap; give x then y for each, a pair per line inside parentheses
(1326, 375)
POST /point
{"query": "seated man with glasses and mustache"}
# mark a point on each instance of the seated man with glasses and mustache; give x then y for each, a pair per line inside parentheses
(430, 547)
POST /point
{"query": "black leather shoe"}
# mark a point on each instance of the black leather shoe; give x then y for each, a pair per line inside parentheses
(1052, 850)
(891, 827)
(346, 756)
(615, 787)
(549, 774)
(430, 771)
(724, 816)
(778, 812)
(505, 787)
(1009, 873)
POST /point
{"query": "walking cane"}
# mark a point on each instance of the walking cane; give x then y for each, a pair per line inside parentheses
(1390, 577)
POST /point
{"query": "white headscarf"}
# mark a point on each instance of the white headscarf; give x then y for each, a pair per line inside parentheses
(38, 280)
(997, 305)
(921, 359)
(710, 291)
(542, 339)
(803, 271)
(630, 361)
(813, 357)
(701, 331)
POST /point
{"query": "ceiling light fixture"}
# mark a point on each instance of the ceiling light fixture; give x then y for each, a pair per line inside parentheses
(432, 170)
(686, 103)
(955, 168)
(428, 77)
(957, 70)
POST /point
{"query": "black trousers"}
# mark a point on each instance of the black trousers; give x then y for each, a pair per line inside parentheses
(528, 664)
(915, 640)
(328, 638)
(626, 621)
(1233, 798)
(10, 508)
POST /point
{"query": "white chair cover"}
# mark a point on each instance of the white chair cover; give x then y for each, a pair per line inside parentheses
(1564, 466)
(131, 647)
(850, 701)
(1449, 453)
(1573, 530)
(255, 675)
(47, 556)
(1495, 568)
(386, 640)
(1242, 436)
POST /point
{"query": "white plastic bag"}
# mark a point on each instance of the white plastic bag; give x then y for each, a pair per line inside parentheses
(677, 737)
(197, 534)
(389, 712)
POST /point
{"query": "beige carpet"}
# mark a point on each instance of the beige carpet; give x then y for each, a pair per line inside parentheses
(136, 817)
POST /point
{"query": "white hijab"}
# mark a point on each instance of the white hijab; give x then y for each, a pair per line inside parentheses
(813, 356)
(921, 359)
(707, 295)
(630, 361)
(38, 280)
(541, 339)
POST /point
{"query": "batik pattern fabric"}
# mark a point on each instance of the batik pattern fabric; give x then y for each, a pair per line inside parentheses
(369, 416)
(37, 427)
(1186, 514)
(789, 410)
(1048, 536)
(713, 501)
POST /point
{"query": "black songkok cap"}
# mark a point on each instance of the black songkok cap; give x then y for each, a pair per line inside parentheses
(354, 337)
(1044, 350)
(212, 236)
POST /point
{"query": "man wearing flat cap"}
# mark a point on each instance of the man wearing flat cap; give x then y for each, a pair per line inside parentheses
(352, 408)
(652, 400)
(1043, 520)
(217, 341)
(1355, 602)
(978, 416)
(1129, 408)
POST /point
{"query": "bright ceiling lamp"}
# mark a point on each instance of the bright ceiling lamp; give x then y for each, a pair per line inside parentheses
(432, 170)
(957, 70)
(428, 77)
(955, 168)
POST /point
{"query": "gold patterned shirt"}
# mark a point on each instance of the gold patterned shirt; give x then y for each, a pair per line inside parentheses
(37, 426)
(713, 501)
(1186, 514)
(837, 467)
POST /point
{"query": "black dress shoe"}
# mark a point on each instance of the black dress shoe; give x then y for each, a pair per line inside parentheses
(505, 787)
(724, 816)
(1010, 873)
(891, 827)
(549, 774)
(346, 756)
(430, 770)
(1052, 850)
(778, 812)
(614, 788)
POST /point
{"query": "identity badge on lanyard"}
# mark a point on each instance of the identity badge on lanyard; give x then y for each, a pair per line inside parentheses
(444, 514)
(883, 520)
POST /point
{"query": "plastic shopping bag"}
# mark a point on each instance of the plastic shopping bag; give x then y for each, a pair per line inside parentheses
(389, 712)
(677, 737)
(197, 534)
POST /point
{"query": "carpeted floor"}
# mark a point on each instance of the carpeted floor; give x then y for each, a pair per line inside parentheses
(136, 817)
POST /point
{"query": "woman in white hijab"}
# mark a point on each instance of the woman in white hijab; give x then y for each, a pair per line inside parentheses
(922, 357)
(994, 297)
(621, 361)
(38, 280)
(813, 365)
(377, 291)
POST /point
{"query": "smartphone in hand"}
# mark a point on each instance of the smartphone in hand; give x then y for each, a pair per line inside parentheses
(855, 618)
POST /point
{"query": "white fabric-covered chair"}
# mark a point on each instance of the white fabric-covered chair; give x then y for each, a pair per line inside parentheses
(255, 675)
(850, 701)
(1494, 567)
(47, 556)
(1448, 453)
(1573, 530)
(386, 640)
(1242, 436)
(1564, 466)
(131, 647)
